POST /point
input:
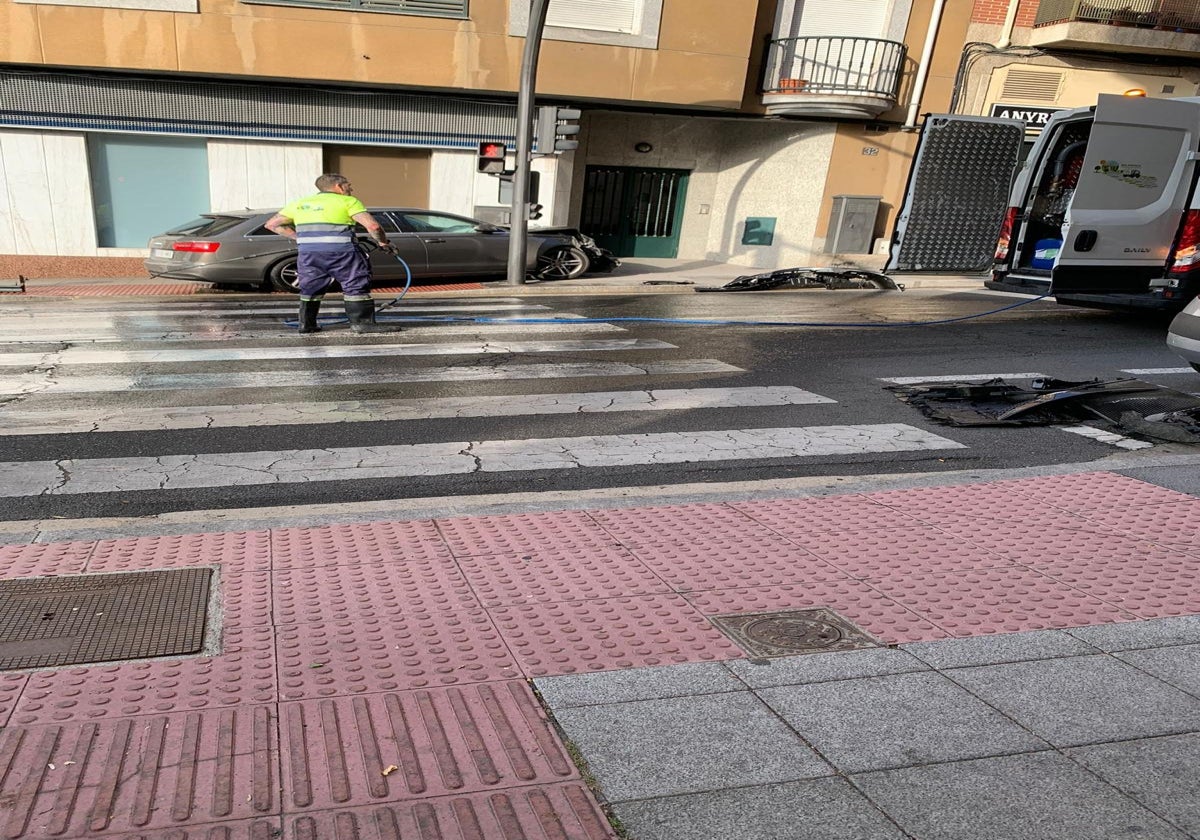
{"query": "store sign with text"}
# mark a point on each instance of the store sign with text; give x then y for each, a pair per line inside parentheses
(1035, 118)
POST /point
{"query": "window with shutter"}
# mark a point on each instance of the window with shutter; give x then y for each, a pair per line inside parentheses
(426, 8)
(839, 18)
(603, 15)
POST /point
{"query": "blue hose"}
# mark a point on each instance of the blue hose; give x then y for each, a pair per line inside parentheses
(704, 322)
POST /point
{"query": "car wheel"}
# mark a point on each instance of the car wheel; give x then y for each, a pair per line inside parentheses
(562, 263)
(1195, 366)
(284, 277)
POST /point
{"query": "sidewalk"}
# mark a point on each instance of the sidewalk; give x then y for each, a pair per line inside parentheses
(1030, 672)
(646, 276)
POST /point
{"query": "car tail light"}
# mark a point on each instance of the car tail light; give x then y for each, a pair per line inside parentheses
(196, 247)
(1186, 256)
(1006, 232)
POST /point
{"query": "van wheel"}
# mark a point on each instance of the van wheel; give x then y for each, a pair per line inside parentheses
(284, 277)
(562, 263)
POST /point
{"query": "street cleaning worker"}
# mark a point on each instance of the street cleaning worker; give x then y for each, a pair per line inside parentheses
(323, 227)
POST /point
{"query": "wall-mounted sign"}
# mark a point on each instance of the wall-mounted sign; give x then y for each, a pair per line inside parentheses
(1035, 118)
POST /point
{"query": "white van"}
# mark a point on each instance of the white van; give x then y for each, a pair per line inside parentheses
(1104, 213)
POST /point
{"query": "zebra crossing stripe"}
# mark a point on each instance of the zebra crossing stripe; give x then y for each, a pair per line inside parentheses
(326, 351)
(50, 382)
(95, 419)
(237, 469)
(282, 310)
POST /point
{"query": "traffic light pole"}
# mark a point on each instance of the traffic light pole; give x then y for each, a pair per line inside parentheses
(518, 245)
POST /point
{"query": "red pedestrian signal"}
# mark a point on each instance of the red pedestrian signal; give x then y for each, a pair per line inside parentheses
(491, 158)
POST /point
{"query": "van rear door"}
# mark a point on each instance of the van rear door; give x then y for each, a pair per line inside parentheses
(1134, 186)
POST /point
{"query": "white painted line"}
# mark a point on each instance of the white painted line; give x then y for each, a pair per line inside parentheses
(47, 382)
(963, 377)
(225, 332)
(1156, 371)
(326, 351)
(93, 419)
(1119, 441)
(236, 469)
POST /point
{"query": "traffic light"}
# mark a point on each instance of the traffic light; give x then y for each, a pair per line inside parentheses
(557, 129)
(491, 158)
(535, 211)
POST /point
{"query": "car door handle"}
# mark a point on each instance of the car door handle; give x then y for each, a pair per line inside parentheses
(435, 241)
(1086, 240)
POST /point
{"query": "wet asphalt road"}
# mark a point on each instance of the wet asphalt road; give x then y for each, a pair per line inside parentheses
(843, 363)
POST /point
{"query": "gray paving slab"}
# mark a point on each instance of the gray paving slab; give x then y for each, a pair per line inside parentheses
(1083, 699)
(820, 809)
(1131, 635)
(653, 748)
(1179, 666)
(1039, 796)
(574, 690)
(993, 650)
(1183, 479)
(824, 667)
(896, 721)
(1160, 773)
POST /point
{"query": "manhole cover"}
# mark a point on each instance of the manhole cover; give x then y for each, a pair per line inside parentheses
(790, 632)
(47, 622)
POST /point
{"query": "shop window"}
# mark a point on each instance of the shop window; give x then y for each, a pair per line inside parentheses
(142, 185)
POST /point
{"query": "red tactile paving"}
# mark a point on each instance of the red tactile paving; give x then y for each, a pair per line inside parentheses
(1159, 583)
(546, 575)
(246, 551)
(567, 638)
(416, 744)
(431, 287)
(799, 517)
(547, 812)
(390, 653)
(242, 673)
(1172, 523)
(368, 542)
(308, 594)
(140, 775)
(866, 606)
(1090, 490)
(693, 523)
(11, 686)
(524, 533)
(120, 289)
(864, 554)
(245, 598)
(731, 562)
(997, 601)
(42, 559)
(1012, 539)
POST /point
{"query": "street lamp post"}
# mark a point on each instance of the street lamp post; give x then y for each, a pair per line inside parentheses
(519, 220)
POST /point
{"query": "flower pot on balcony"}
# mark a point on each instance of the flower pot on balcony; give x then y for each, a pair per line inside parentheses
(792, 85)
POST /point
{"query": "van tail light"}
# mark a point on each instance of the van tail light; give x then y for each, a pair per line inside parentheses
(1006, 232)
(196, 247)
(1186, 256)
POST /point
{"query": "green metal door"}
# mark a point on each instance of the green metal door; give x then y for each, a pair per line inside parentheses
(634, 212)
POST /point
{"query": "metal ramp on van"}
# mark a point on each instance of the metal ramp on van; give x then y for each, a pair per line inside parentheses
(957, 192)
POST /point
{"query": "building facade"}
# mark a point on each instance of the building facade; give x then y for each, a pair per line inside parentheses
(712, 129)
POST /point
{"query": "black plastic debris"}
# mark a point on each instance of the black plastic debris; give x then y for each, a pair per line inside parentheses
(808, 278)
(1130, 406)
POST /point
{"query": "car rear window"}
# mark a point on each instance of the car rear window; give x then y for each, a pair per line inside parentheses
(206, 226)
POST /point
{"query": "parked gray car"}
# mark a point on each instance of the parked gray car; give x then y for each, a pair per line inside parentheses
(235, 249)
(1183, 336)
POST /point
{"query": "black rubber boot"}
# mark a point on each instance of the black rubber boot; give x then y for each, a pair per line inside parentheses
(362, 317)
(308, 315)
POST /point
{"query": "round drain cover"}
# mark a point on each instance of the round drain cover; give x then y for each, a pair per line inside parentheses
(794, 632)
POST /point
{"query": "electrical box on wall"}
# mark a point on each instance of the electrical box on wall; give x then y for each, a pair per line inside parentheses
(852, 224)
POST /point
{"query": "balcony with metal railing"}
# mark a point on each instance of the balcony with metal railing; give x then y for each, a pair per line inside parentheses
(830, 76)
(1153, 27)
